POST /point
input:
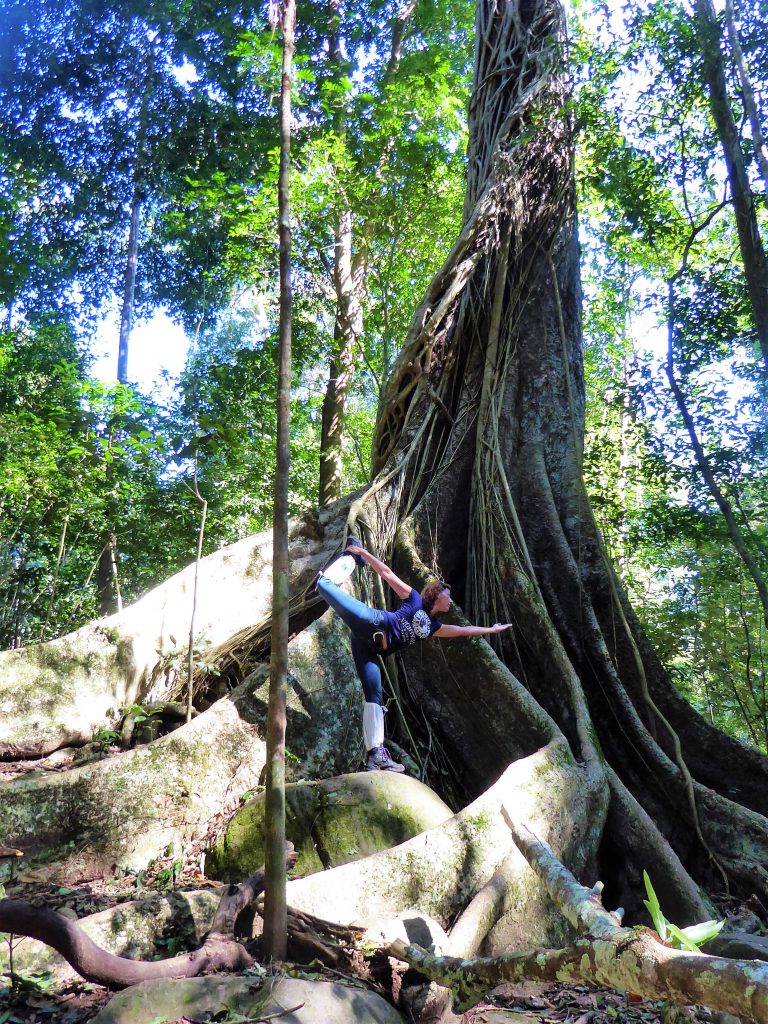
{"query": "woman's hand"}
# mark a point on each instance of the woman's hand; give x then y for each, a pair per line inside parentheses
(499, 627)
(354, 549)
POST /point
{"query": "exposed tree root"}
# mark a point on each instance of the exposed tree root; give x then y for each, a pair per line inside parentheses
(629, 959)
(440, 871)
(95, 965)
(219, 952)
(644, 847)
(59, 693)
(127, 808)
(485, 909)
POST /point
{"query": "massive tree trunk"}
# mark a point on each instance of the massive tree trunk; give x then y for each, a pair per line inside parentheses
(487, 400)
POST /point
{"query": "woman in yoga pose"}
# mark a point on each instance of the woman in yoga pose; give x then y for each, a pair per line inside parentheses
(381, 633)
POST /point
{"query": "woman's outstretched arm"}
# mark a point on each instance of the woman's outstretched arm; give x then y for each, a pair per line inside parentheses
(381, 569)
(446, 632)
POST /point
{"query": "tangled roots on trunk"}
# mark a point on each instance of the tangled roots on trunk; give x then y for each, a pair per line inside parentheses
(479, 454)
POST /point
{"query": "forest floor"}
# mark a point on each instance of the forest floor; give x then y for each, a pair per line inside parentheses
(508, 1004)
(34, 1000)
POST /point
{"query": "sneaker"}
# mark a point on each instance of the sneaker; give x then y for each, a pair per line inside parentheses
(356, 543)
(379, 760)
(340, 569)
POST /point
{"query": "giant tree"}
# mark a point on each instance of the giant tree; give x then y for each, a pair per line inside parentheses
(487, 400)
(570, 724)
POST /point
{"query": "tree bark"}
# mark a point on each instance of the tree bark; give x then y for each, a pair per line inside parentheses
(107, 579)
(275, 922)
(752, 253)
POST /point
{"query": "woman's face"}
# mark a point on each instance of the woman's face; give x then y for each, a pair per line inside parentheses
(443, 602)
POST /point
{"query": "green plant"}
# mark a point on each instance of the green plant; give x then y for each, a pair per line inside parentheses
(690, 938)
(138, 712)
(105, 738)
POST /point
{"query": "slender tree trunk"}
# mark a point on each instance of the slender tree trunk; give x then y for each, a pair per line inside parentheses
(107, 578)
(347, 332)
(275, 911)
(752, 252)
(129, 288)
(349, 271)
(108, 586)
(347, 284)
(55, 581)
(726, 509)
(748, 92)
(108, 583)
(199, 554)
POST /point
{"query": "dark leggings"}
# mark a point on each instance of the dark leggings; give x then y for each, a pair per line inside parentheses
(363, 622)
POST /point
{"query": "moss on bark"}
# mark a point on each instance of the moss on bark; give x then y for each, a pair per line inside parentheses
(331, 823)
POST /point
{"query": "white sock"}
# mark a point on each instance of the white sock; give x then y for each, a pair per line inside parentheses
(373, 725)
(340, 569)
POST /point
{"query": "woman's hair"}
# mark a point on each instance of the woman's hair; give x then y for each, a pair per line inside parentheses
(431, 592)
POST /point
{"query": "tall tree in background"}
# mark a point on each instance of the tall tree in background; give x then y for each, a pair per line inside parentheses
(111, 115)
(751, 106)
(370, 132)
(349, 268)
(105, 133)
(659, 216)
(753, 254)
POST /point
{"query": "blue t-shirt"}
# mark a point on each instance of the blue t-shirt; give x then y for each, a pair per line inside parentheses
(411, 622)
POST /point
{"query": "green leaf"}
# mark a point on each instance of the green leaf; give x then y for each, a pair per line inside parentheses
(701, 933)
(680, 940)
(654, 909)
